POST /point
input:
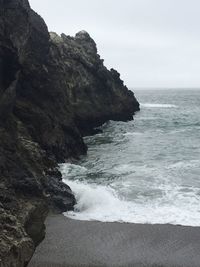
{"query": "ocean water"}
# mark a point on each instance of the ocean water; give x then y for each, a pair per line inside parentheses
(146, 170)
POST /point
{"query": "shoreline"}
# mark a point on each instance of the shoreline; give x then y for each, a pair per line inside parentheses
(90, 243)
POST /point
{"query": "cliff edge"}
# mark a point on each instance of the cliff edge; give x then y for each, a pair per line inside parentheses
(53, 91)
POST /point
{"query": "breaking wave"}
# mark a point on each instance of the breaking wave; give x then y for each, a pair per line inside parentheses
(143, 171)
(150, 105)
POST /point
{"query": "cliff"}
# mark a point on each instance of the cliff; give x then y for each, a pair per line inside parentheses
(53, 91)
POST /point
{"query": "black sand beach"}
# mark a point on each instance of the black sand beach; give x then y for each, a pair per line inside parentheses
(78, 243)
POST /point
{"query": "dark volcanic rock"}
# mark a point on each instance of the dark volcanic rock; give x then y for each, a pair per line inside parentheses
(95, 94)
(53, 90)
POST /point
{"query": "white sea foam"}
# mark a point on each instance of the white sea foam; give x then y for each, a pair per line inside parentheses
(177, 205)
(152, 105)
(182, 165)
(132, 133)
(69, 169)
(122, 169)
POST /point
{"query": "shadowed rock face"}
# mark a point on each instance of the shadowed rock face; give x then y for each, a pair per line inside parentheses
(53, 90)
(95, 94)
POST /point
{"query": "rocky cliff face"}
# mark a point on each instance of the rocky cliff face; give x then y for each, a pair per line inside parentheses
(53, 90)
(95, 94)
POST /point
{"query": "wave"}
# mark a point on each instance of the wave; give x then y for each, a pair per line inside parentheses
(182, 165)
(152, 105)
(176, 204)
(94, 202)
(72, 170)
(132, 133)
(100, 203)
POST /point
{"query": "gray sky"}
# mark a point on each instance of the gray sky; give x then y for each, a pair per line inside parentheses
(152, 43)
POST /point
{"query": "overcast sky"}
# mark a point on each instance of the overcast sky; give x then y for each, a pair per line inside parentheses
(152, 43)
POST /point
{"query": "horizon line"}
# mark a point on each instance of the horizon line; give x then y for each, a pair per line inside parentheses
(164, 88)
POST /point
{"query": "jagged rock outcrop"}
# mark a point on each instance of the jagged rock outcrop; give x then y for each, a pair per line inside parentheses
(53, 90)
(95, 93)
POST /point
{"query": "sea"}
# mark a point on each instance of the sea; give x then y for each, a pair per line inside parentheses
(146, 170)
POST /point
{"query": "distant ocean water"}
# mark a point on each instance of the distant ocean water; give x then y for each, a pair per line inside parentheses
(146, 170)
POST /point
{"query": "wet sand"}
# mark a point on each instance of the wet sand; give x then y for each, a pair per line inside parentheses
(76, 243)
